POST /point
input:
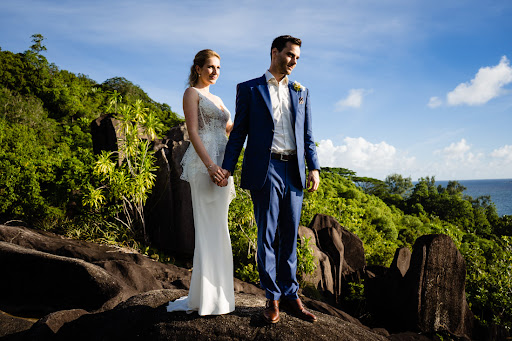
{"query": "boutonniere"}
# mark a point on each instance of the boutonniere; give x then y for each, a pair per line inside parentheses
(298, 87)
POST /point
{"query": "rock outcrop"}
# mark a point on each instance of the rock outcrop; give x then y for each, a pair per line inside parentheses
(43, 273)
(401, 261)
(31, 288)
(435, 287)
(322, 278)
(422, 291)
(168, 210)
(144, 317)
(104, 134)
(55, 288)
(169, 215)
(338, 253)
(384, 292)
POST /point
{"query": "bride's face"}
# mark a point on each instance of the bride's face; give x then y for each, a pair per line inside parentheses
(210, 71)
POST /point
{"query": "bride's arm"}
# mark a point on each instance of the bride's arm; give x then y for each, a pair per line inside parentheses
(191, 109)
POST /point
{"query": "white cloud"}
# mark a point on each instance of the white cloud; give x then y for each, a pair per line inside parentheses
(353, 100)
(435, 102)
(504, 153)
(459, 161)
(501, 162)
(365, 158)
(488, 83)
(457, 151)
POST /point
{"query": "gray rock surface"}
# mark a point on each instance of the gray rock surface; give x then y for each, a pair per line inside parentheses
(328, 240)
(435, 287)
(36, 283)
(143, 317)
(104, 135)
(169, 213)
(12, 324)
(401, 261)
(134, 272)
(77, 290)
(322, 278)
(339, 251)
(385, 292)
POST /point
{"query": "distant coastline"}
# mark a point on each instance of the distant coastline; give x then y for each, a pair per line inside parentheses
(500, 191)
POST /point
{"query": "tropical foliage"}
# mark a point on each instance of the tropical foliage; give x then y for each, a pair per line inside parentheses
(128, 174)
(49, 176)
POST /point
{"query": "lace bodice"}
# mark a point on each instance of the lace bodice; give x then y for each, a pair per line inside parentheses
(211, 118)
(212, 131)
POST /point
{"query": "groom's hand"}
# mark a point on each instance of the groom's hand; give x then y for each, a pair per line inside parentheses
(313, 180)
(226, 173)
(224, 182)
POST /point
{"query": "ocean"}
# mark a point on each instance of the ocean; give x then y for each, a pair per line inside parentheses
(500, 191)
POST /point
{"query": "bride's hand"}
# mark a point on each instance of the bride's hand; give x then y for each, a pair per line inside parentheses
(215, 173)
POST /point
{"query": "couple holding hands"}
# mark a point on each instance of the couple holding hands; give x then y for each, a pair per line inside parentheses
(274, 115)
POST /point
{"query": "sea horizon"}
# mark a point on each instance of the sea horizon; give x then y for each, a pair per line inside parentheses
(500, 191)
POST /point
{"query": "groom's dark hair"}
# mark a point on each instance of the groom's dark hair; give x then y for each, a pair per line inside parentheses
(280, 42)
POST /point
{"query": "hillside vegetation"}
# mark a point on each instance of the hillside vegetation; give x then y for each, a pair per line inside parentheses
(51, 180)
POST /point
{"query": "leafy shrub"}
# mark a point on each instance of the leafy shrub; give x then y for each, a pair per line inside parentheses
(127, 176)
(305, 258)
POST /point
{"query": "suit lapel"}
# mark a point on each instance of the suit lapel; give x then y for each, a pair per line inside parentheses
(294, 98)
(263, 89)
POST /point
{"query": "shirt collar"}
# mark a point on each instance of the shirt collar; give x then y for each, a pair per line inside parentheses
(269, 77)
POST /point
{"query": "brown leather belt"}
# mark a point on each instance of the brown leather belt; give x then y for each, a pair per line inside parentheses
(284, 157)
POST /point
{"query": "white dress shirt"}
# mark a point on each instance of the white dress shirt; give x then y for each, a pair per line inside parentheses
(284, 137)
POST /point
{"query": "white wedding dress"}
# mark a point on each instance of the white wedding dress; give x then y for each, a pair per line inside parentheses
(211, 286)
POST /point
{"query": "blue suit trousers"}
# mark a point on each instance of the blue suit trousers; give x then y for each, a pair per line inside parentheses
(277, 208)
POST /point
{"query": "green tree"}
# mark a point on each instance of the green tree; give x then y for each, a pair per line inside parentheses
(370, 185)
(399, 185)
(131, 93)
(37, 46)
(489, 278)
(345, 172)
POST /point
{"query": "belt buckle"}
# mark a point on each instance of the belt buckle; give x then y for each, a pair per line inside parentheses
(282, 157)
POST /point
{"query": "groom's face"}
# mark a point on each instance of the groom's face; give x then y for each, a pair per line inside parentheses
(286, 60)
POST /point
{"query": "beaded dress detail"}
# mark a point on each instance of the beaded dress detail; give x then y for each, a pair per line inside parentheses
(212, 131)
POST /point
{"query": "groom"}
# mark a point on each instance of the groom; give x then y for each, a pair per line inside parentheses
(275, 116)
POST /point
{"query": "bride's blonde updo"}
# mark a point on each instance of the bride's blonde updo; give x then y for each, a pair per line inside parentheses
(199, 60)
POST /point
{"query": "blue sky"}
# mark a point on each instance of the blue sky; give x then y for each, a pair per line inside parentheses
(419, 88)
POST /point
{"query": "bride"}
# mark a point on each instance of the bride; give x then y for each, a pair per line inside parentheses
(208, 123)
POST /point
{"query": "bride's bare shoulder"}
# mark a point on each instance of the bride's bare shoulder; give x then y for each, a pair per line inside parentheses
(190, 93)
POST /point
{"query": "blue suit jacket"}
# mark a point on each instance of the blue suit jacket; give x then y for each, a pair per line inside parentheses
(254, 120)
